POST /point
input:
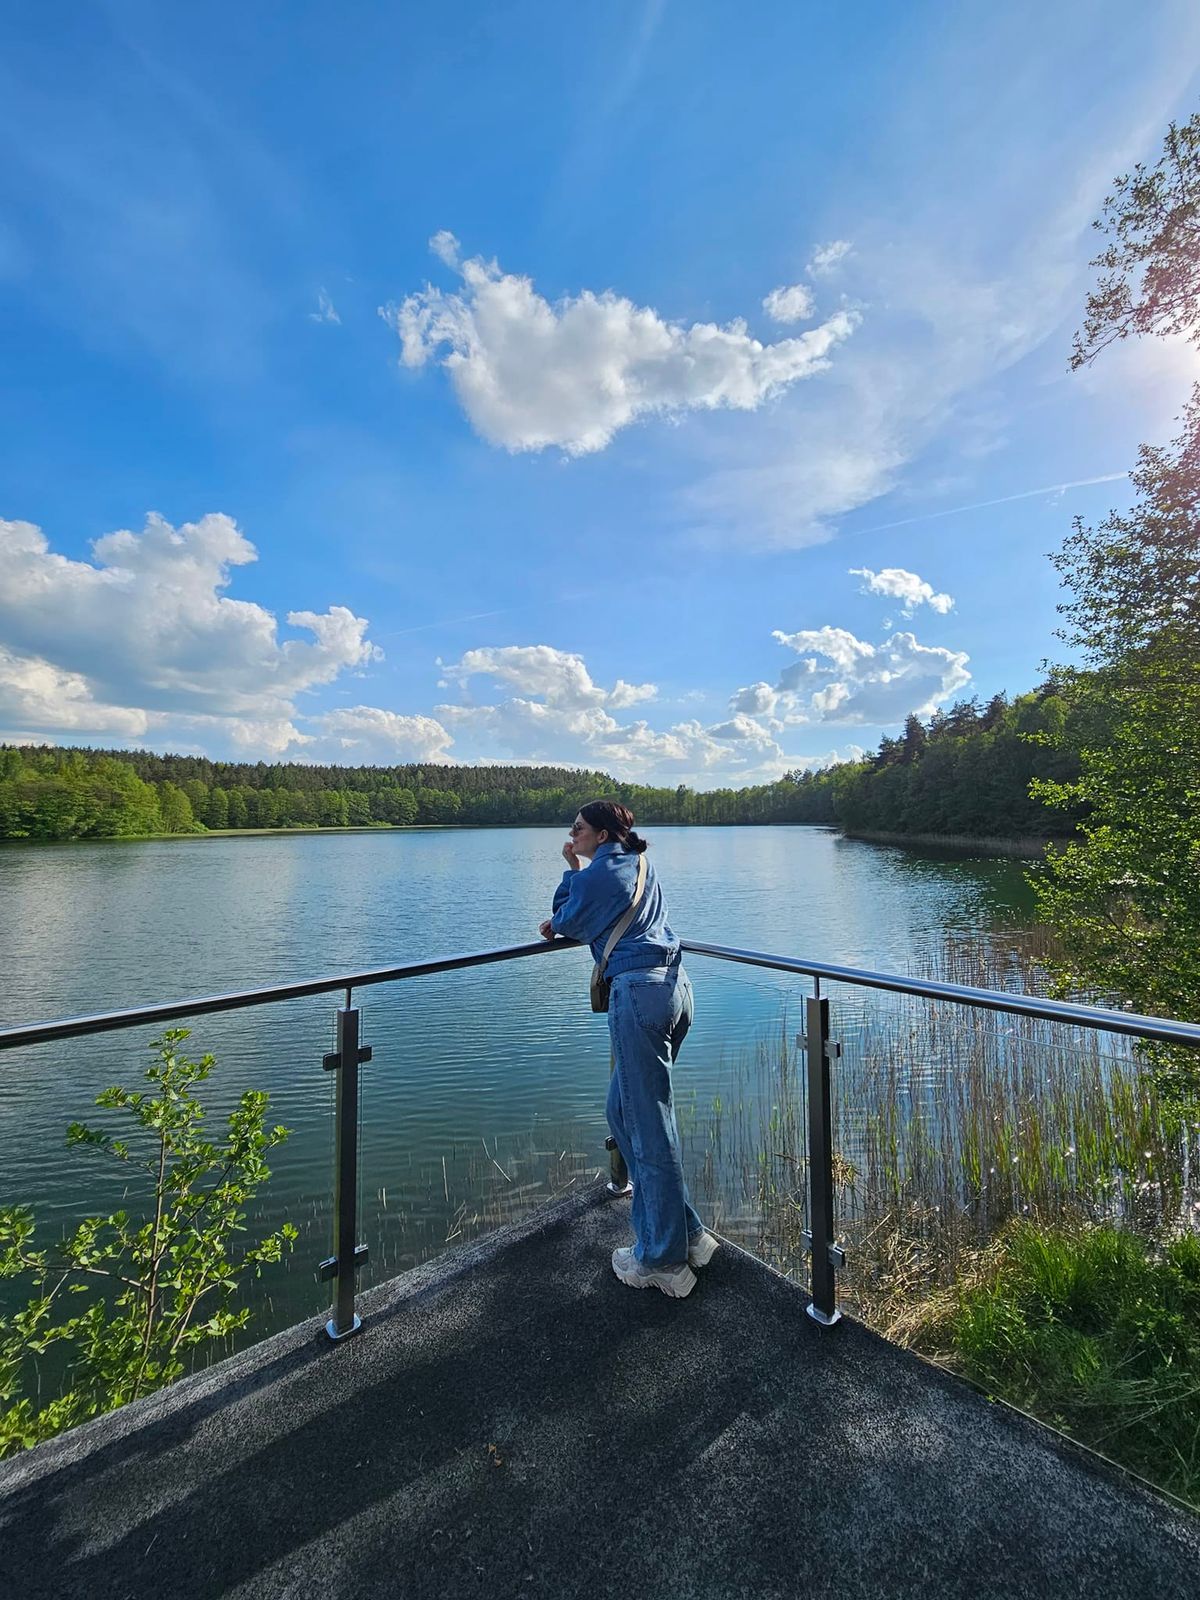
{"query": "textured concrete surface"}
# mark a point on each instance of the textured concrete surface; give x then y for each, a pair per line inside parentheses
(515, 1422)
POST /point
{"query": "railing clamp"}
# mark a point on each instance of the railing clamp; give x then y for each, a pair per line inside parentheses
(837, 1256)
(833, 1049)
(333, 1060)
(329, 1267)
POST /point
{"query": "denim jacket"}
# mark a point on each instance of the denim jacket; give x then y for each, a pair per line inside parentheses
(587, 903)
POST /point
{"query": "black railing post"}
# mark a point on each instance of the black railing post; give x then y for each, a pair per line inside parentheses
(823, 1306)
(618, 1173)
(348, 1254)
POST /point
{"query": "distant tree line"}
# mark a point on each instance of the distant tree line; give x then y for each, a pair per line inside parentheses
(965, 771)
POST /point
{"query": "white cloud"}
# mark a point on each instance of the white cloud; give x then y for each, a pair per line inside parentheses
(907, 587)
(446, 248)
(369, 734)
(829, 758)
(144, 638)
(558, 714)
(757, 700)
(798, 482)
(841, 647)
(530, 374)
(36, 698)
(794, 304)
(325, 311)
(270, 736)
(558, 676)
(864, 683)
(826, 257)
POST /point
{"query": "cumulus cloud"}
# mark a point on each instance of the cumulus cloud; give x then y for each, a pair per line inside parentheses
(839, 678)
(829, 758)
(325, 311)
(794, 304)
(530, 374)
(557, 713)
(144, 637)
(907, 587)
(757, 700)
(371, 734)
(559, 677)
(37, 698)
(826, 257)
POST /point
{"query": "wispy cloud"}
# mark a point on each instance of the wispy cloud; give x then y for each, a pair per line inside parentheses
(443, 622)
(958, 284)
(325, 312)
(1002, 500)
(826, 257)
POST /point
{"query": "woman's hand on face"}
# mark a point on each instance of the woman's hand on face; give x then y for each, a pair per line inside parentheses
(546, 931)
(570, 856)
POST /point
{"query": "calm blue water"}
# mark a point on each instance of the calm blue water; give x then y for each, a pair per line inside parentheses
(482, 1082)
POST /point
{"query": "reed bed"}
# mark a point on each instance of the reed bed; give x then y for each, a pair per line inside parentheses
(948, 1124)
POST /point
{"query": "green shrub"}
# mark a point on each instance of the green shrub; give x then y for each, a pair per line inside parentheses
(155, 1287)
(1098, 1334)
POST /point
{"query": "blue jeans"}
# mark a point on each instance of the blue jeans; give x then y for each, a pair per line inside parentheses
(649, 1014)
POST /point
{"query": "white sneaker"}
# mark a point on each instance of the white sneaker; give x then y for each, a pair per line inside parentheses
(678, 1282)
(702, 1247)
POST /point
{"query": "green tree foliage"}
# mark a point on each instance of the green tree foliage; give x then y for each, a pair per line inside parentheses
(966, 772)
(1150, 270)
(75, 794)
(1126, 894)
(156, 1287)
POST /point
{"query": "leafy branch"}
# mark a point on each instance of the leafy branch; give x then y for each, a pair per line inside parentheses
(132, 1337)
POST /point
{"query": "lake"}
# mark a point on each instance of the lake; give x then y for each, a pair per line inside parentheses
(486, 1087)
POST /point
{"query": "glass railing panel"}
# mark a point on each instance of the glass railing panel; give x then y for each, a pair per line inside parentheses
(483, 1099)
(276, 1049)
(950, 1123)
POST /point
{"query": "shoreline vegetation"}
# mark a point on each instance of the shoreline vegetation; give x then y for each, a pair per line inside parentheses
(961, 779)
(1018, 849)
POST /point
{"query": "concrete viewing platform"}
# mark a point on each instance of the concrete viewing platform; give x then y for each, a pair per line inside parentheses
(513, 1421)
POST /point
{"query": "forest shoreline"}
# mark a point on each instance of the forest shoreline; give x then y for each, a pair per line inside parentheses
(1021, 849)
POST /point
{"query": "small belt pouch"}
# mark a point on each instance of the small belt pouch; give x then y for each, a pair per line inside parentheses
(601, 988)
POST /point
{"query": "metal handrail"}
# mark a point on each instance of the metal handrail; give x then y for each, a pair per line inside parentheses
(822, 1050)
(108, 1021)
(1161, 1029)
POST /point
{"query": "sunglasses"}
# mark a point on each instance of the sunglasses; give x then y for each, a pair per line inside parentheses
(577, 827)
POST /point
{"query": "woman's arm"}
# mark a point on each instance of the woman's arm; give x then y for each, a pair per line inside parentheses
(586, 903)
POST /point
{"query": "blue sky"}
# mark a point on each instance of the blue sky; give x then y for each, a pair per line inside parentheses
(675, 389)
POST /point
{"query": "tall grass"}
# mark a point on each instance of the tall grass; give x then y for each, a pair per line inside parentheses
(1094, 1329)
(948, 1123)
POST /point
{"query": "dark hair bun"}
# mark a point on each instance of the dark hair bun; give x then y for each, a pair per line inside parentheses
(611, 817)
